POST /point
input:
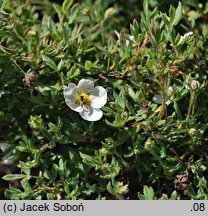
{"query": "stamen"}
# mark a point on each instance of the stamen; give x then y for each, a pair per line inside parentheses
(83, 99)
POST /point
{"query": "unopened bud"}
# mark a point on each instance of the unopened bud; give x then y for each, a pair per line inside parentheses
(123, 189)
(29, 78)
(149, 144)
(109, 12)
(86, 10)
(105, 166)
(103, 151)
(36, 122)
(192, 131)
(195, 84)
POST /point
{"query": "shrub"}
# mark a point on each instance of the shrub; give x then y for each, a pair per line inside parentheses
(150, 142)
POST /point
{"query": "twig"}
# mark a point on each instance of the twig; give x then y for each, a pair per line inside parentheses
(9, 55)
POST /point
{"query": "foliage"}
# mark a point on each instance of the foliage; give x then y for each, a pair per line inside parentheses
(139, 147)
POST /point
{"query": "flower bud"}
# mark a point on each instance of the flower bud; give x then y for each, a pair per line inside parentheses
(103, 151)
(86, 10)
(109, 12)
(195, 84)
(29, 78)
(192, 131)
(123, 189)
(36, 122)
(182, 182)
(149, 144)
(106, 166)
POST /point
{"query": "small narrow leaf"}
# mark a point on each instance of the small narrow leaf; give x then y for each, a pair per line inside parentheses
(57, 9)
(12, 177)
(120, 101)
(178, 14)
(171, 14)
(49, 62)
(66, 5)
(166, 19)
(146, 7)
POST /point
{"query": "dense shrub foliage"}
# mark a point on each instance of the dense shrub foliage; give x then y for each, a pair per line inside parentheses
(151, 142)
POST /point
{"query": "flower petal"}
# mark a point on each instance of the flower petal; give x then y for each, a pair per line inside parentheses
(85, 85)
(70, 90)
(70, 97)
(91, 114)
(98, 97)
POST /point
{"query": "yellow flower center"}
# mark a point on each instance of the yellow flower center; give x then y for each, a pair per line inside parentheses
(83, 99)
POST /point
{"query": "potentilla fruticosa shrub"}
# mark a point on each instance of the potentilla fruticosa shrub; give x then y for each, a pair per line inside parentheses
(91, 111)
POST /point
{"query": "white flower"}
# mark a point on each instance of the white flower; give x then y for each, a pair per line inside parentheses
(86, 99)
(185, 37)
(157, 98)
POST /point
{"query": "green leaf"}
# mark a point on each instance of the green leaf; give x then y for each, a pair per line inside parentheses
(110, 124)
(26, 166)
(193, 15)
(178, 14)
(57, 9)
(26, 186)
(148, 193)
(100, 14)
(88, 65)
(191, 192)
(154, 13)
(89, 160)
(110, 189)
(203, 183)
(174, 195)
(120, 101)
(12, 177)
(132, 94)
(66, 5)
(171, 14)
(146, 7)
(119, 121)
(166, 19)
(49, 62)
